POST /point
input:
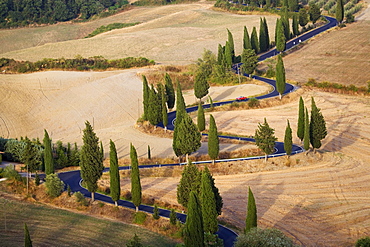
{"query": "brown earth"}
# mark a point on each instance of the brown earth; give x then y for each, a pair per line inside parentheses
(324, 203)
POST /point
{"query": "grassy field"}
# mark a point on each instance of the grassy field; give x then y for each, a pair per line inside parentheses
(55, 227)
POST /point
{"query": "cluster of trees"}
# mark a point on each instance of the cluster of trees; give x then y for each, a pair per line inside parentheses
(78, 63)
(109, 27)
(199, 195)
(21, 13)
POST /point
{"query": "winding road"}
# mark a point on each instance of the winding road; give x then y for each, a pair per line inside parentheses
(73, 178)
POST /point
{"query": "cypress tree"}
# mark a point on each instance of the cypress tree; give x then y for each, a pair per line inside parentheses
(145, 97)
(213, 142)
(302, 17)
(201, 121)
(230, 40)
(27, 237)
(164, 109)
(295, 26)
(288, 142)
(188, 136)
(265, 138)
(285, 22)
(193, 229)
(48, 154)
(254, 40)
(154, 114)
(135, 178)
(69, 154)
(339, 11)
(317, 126)
(75, 156)
(91, 162)
(208, 202)
(149, 153)
(190, 181)
(262, 37)
(115, 187)
(280, 76)
(246, 39)
(267, 36)
(251, 220)
(170, 91)
(101, 151)
(306, 139)
(201, 85)
(173, 217)
(156, 212)
(221, 55)
(280, 40)
(314, 12)
(228, 56)
(180, 111)
(301, 120)
(218, 198)
(249, 60)
(293, 5)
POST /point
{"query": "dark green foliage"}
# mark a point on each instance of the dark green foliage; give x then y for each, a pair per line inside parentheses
(339, 11)
(193, 229)
(91, 162)
(31, 156)
(280, 40)
(135, 178)
(350, 18)
(173, 217)
(80, 198)
(101, 151)
(154, 113)
(164, 107)
(170, 91)
(263, 36)
(264, 237)
(314, 12)
(218, 198)
(265, 138)
(285, 22)
(267, 36)
(180, 111)
(208, 202)
(251, 220)
(149, 153)
(11, 173)
(363, 242)
(48, 154)
(249, 60)
(317, 126)
(306, 139)
(230, 40)
(295, 27)
(293, 5)
(146, 90)
(254, 40)
(61, 160)
(190, 181)
(201, 84)
(213, 141)
(27, 237)
(212, 240)
(115, 187)
(201, 121)
(69, 192)
(288, 142)
(75, 156)
(109, 27)
(37, 179)
(156, 212)
(188, 136)
(302, 17)
(54, 186)
(221, 56)
(301, 120)
(246, 39)
(135, 242)
(280, 76)
(228, 56)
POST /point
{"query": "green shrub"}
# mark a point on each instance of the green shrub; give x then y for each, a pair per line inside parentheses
(253, 102)
(363, 242)
(140, 218)
(173, 217)
(9, 172)
(134, 242)
(156, 213)
(264, 237)
(54, 186)
(80, 198)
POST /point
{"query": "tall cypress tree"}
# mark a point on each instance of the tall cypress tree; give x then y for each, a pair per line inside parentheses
(306, 139)
(285, 22)
(201, 85)
(295, 25)
(154, 114)
(201, 121)
(218, 197)
(267, 36)
(190, 181)
(339, 11)
(48, 154)
(145, 97)
(27, 237)
(251, 220)
(280, 76)
(301, 120)
(164, 108)
(254, 40)
(135, 178)
(221, 55)
(288, 142)
(265, 138)
(280, 40)
(188, 136)
(317, 126)
(170, 91)
(246, 39)
(230, 40)
(249, 60)
(115, 187)
(262, 37)
(101, 151)
(213, 142)
(75, 156)
(228, 55)
(193, 229)
(180, 111)
(91, 162)
(208, 202)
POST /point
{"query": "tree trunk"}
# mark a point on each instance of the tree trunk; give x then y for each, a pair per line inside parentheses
(213, 162)
(137, 209)
(115, 203)
(280, 96)
(265, 158)
(92, 196)
(187, 158)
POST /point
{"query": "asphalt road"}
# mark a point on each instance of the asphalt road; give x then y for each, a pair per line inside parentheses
(73, 178)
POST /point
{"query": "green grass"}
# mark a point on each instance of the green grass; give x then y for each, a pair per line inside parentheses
(109, 27)
(56, 227)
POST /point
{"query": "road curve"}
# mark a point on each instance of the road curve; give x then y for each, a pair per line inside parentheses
(73, 178)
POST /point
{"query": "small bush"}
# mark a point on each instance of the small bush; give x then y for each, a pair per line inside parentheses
(140, 218)
(363, 242)
(156, 213)
(134, 242)
(253, 102)
(80, 198)
(173, 217)
(264, 237)
(9, 172)
(54, 186)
